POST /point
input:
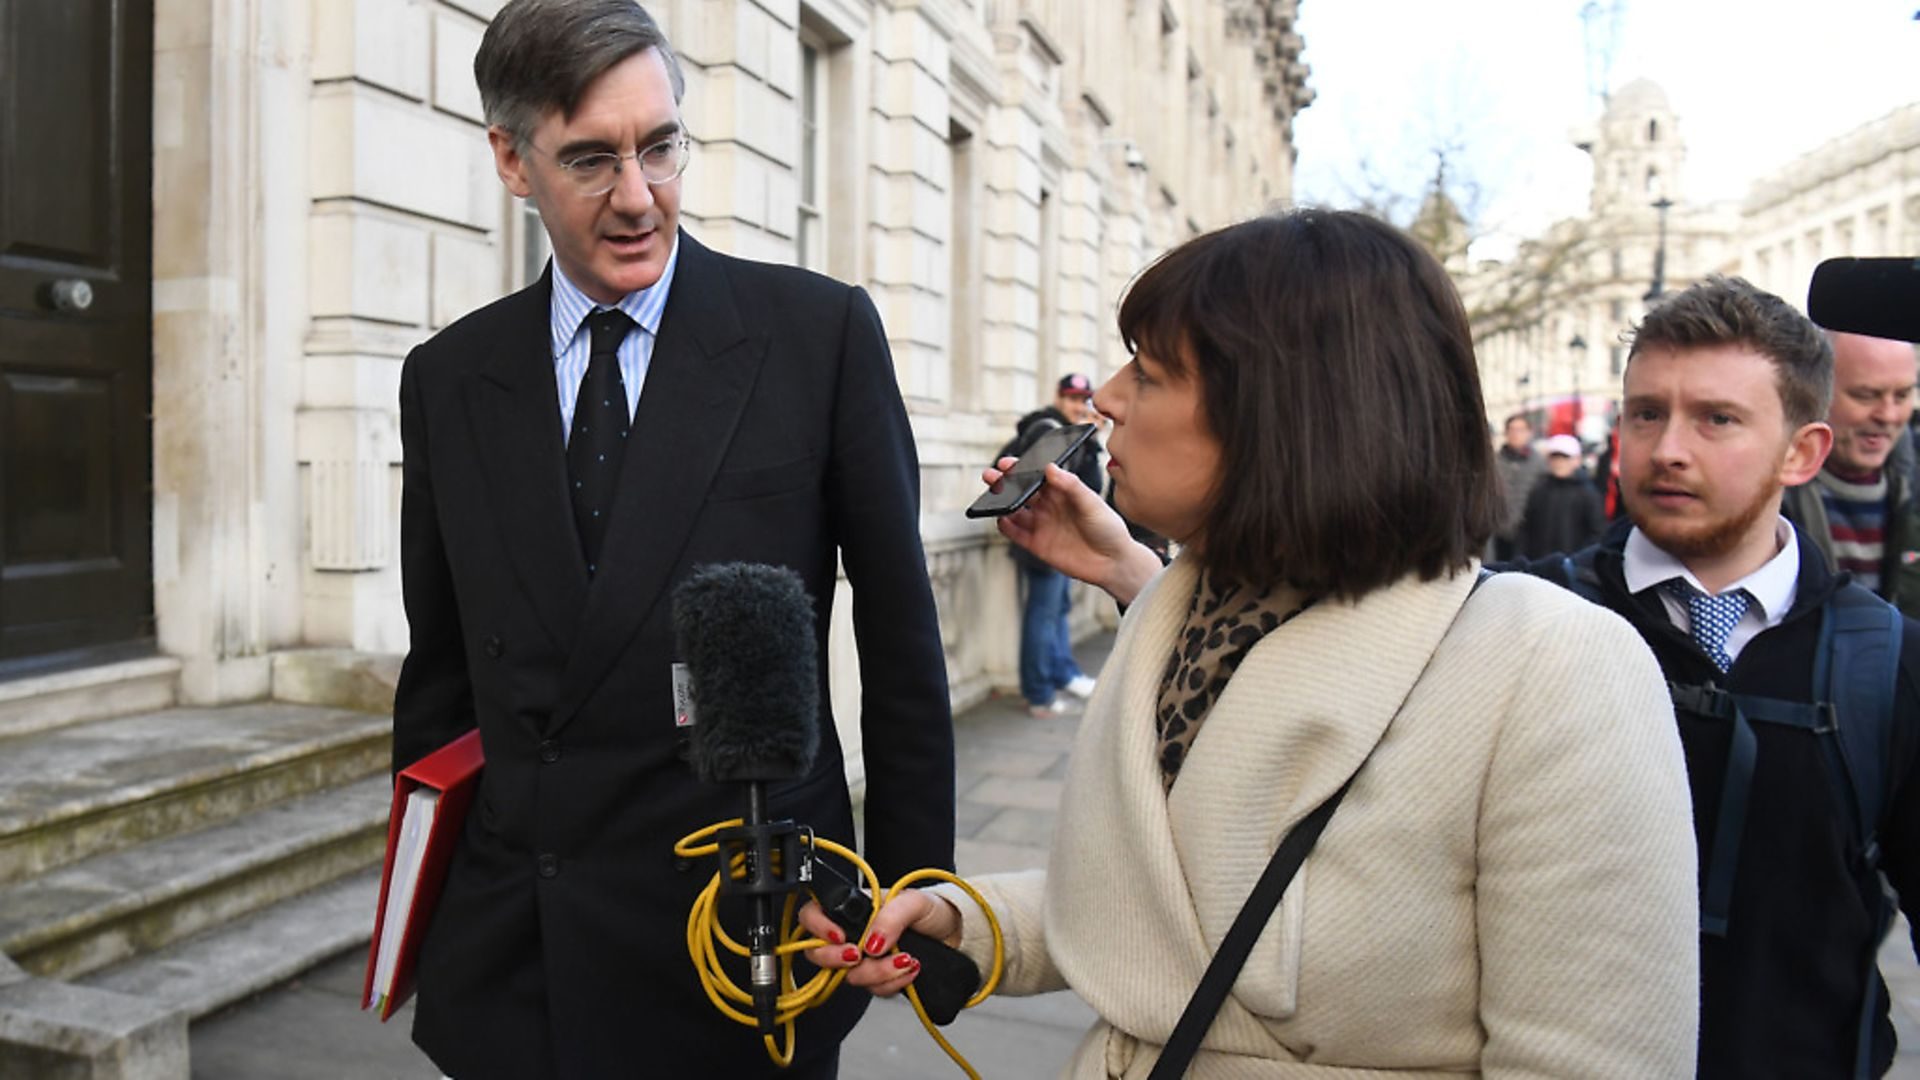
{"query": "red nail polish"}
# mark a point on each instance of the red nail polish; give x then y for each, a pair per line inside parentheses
(836, 937)
(876, 944)
(850, 954)
(903, 961)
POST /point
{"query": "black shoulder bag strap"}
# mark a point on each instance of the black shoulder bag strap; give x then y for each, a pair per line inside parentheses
(1234, 948)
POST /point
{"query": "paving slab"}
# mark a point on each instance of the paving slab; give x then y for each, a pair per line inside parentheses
(1042, 796)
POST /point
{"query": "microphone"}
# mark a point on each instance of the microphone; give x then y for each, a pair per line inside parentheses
(1875, 297)
(746, 634)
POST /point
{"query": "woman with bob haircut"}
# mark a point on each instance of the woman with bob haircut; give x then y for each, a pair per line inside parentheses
(1507, 889)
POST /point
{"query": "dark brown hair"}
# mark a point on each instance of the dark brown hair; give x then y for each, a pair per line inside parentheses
(539, 55)
(1337, 373)
(1730, 311)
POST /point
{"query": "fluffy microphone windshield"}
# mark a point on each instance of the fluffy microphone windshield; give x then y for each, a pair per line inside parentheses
(746, 634)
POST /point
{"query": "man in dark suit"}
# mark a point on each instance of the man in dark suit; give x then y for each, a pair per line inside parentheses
(572, 452)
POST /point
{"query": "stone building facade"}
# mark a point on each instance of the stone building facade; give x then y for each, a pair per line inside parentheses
(322, 199)
(1856, 195)
(1549, 324)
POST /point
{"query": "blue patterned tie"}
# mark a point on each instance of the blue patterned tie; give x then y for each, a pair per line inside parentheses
(1711, 618)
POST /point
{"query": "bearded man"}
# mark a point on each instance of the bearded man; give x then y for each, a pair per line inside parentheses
(1725, 399)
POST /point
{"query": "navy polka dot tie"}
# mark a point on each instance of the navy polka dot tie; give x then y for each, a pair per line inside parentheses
(597, 442)
(1711, 618)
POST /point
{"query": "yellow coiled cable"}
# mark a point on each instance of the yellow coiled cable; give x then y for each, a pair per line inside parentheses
(704, 929)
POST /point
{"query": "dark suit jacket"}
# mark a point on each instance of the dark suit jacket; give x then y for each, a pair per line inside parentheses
(770, 429)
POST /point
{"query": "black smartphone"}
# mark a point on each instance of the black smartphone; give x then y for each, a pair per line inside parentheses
(1027, 474)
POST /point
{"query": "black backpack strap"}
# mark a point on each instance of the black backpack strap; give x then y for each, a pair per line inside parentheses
(1235, 947)
(1579, 577)
(1857, 673)
(1856, 667)
(1736, 785)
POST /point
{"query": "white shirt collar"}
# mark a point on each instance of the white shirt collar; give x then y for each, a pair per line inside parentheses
(569, 305)
(1773, 586)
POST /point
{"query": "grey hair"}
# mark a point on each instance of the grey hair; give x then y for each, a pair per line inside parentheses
(540, 55)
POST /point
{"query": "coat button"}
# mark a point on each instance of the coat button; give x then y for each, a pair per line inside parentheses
(494, 647)
(548, 864)
(549, 750)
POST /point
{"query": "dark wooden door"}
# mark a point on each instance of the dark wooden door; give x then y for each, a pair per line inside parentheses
(76, 267)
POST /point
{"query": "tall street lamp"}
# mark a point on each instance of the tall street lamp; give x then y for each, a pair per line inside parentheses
(1660, 254)
(1577, 347)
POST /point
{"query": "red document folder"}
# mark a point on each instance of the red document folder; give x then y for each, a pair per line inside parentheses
(448, 776)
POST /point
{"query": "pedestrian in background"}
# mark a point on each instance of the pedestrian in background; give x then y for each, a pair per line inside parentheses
(1507, 887)
(1860, 509)
(1520, 469)
(1563, 512)
(1047, 666)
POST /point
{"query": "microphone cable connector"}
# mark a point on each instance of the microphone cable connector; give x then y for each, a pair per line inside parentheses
(948, 973)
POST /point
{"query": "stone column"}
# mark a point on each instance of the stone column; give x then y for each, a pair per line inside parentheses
(405, 231)
(1010, 302)
(229, 181)
(742, 107)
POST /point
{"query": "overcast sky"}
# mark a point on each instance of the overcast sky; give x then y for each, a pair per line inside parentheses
(1755, 83)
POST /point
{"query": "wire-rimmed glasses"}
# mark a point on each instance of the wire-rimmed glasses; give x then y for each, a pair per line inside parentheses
(597, 173)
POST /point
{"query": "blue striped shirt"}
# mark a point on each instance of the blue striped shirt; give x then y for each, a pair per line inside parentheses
(572, 341)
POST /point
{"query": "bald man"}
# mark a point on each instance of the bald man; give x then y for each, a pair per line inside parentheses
(1860, 508)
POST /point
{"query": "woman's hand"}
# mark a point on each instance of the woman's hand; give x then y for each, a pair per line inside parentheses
(869, 963)
(1071, 529)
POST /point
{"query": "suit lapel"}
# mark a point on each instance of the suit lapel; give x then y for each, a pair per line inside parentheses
(703, 369)
(515, 410)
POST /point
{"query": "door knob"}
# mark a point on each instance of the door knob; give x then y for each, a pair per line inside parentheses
(70, 295)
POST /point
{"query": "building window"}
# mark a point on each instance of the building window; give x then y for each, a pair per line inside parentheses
(810, 241)
(1617, 359)
(963, 300)
(1617, 309)
(1049, 292)
(1618, 263)
(1653, 131)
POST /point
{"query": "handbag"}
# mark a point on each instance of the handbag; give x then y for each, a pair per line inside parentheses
(1234, 948)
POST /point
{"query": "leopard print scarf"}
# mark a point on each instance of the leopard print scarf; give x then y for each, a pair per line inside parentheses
(1224, 622)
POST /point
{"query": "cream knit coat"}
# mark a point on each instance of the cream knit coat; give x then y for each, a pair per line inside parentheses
(1507, 890)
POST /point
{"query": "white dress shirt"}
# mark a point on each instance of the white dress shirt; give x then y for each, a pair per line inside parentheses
(1771, 588)
(572, 343)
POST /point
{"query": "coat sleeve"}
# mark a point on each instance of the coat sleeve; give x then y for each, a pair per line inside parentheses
(906, 720)
(1532, 526)
(1593, 519)
(1585, 900)
(433, 702)
(1018, 901)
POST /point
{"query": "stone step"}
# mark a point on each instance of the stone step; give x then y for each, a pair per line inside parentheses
(42, 702)
(89, 789)
(218, 967)
(109, 908)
